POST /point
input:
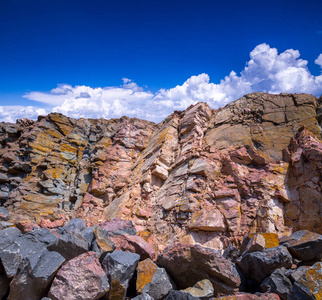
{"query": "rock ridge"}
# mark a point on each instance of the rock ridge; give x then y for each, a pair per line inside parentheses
(201, 176)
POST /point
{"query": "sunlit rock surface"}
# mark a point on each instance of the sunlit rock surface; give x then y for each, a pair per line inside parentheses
(201, 176)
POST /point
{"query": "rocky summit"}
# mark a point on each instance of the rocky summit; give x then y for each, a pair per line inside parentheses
(199, 184)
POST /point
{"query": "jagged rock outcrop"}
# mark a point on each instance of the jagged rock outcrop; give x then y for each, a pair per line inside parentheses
(200, 176)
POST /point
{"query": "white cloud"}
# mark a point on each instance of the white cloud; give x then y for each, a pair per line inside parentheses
(13, 112)
(266, 71)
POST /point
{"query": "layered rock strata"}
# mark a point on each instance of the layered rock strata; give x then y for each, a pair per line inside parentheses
(201, 176)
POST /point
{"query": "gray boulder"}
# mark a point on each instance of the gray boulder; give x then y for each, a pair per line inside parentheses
(258, 265)
(159, 286)
(119, 267)
(277, 283)
(309, 285)
(304, 245)
(18, 247)
(34, 282)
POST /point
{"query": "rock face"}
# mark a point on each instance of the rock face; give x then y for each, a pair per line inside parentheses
(199, 177)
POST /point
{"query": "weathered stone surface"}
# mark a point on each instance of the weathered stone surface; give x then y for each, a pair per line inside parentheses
(188, 264)
(70, 245)
(80, 278)
(258, 241)
(202, 289)
(201, 176)
(119, 226)
(304, 245)
(257, 265)
(103, 241)
(17, 247)
(159, 286)
(145, 273)
(133, 243)
(180, 295)
(309, 285)
(34, 282)
(277, 283)
(119, 267)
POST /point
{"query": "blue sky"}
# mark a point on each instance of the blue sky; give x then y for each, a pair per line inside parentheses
(106, 58)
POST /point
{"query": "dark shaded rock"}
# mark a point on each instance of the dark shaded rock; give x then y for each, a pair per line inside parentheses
(277, 283)
(70, 245)
(188, 264)
(119, 267)
(119, 226)
(143, 297)
(28, 246)
(309, 285)
(159, 286)
(257, 265)
(74, 225)
(231, 253)
(4, 285)
(202, 289)
(4, 214)
(180, 295)
(80, 278)
(304, 245)
(33, 283)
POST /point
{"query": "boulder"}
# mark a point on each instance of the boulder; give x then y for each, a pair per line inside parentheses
(258, 241)
(257, 265)
(145, 273)
(277, 283)
(231, 253)
(119, 267)
(29, 246)
(133, 243)
(309, 285)
(119, 226)
(34, 282)
(102, 242)
(159, 286)
(202, 289)
(80, 278)
(188, 264)
(180, 295)
(304, 245)
(70, 245)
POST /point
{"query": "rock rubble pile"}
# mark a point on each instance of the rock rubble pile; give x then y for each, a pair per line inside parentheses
(110, 261)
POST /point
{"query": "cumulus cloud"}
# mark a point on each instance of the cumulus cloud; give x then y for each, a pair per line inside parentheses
(266, 71)
(14, 112)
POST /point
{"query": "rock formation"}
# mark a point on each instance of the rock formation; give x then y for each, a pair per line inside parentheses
(201, 176)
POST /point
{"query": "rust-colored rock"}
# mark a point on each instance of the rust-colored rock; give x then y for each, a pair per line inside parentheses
(145, 272)
(201, 176)
(80, 278)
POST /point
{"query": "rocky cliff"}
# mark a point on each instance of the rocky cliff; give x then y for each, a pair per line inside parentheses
(201, 176)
